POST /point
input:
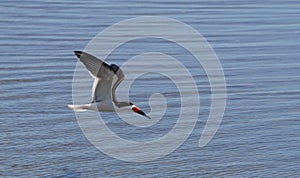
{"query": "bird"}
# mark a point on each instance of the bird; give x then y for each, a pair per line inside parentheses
(106, 80)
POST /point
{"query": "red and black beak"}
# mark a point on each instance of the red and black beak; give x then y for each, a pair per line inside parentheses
(139, 111)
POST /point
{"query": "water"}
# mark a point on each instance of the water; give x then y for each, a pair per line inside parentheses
(257, 44)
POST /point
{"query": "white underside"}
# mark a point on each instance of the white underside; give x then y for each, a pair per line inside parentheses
(99, 107)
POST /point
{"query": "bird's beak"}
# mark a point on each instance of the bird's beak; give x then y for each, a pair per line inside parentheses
(139, 111)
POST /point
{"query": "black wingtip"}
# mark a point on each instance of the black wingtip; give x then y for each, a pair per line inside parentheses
(78, 53)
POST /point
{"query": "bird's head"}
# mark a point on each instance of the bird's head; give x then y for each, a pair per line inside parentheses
(138, 110)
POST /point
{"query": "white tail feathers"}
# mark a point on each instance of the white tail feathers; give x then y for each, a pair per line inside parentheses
(79, 108)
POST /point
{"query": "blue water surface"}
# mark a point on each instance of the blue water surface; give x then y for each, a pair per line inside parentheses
(257, 43)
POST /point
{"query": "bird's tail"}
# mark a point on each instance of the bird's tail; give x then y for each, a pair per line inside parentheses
(78, 108)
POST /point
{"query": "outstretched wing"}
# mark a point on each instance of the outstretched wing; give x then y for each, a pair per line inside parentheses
(104, 75)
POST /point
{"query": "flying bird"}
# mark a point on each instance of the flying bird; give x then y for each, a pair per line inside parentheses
(106, 80)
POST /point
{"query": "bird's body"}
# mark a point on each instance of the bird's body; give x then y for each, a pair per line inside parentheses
(106, 80)
(96, 106)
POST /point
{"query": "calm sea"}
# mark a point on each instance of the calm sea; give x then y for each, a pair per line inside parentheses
(258, 45)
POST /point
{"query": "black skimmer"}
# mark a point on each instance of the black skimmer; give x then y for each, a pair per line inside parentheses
(104, 87)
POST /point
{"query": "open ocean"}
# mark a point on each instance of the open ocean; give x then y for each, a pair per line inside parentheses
(258, 45)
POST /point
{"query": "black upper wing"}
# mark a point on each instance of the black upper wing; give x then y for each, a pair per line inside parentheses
(93, 64)
(104, 74)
